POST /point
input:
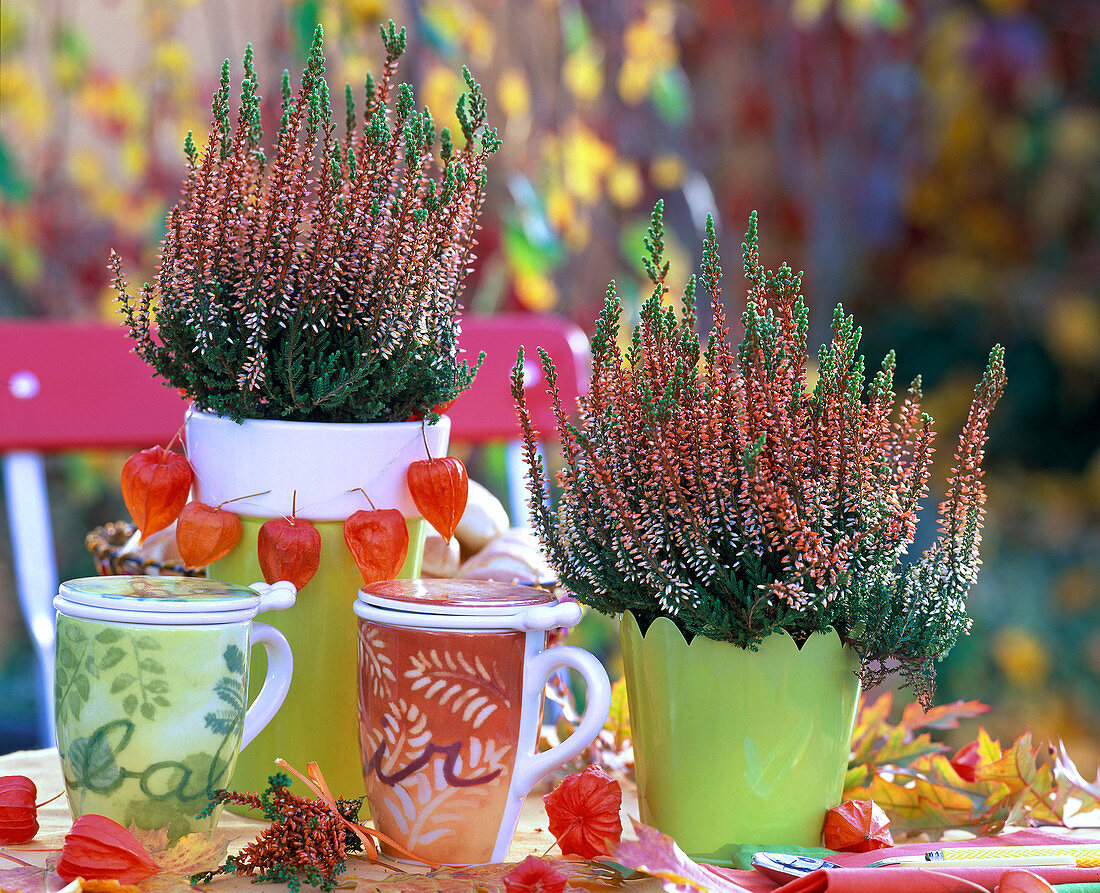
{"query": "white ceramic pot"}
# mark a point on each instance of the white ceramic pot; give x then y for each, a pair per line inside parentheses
(320, 461)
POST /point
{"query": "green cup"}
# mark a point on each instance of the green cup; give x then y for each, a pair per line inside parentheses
(151, 692)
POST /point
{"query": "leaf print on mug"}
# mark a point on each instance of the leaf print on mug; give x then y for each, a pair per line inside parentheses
(231, 690)
(380, 664)
(452, 680)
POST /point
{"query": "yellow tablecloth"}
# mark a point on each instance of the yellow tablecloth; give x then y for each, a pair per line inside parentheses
(44, 768)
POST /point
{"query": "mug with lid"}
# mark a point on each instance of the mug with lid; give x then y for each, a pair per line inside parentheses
(151, 692)
(451, 676)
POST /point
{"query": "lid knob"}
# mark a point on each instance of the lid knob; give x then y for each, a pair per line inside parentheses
(277, 596)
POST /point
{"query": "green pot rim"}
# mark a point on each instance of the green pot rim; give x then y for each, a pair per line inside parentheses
(671, 636)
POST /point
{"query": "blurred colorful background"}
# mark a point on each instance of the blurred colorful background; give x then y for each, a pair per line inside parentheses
(935, 167)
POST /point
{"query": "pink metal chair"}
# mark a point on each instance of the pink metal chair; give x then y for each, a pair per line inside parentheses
(73, 386)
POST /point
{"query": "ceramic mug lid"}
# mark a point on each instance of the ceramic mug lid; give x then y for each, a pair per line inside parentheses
(464, 604)
(455, 596)
(167, 600)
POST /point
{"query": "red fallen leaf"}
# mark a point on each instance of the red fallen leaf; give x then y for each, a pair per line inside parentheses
(289, 549)
(100, 849)
(856, 826)
(379, 541)
(967, 760)
(206, 533)
(440, 488)
(155, 485)
(535, 875)
(18, 813)
(584, 813)
(657, 854)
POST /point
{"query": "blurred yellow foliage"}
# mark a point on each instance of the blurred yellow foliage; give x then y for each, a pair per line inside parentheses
(624, 184)
(535, 291)
(86, 168)
(560, 208)
(173, 58)
(1072, 330)
(442, 87)
(17, 246)
(583, 73)
(114, 103)
(364, 12)
(24, 103)
(649, 48)
(1020, 656)
(667, 171)
(513, 93)
(133, 157)
(588, 159)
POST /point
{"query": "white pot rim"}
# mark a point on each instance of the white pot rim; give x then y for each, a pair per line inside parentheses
(335, 428)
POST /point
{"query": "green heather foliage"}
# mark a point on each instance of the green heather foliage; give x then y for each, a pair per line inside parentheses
(714, 486)
(322, 284)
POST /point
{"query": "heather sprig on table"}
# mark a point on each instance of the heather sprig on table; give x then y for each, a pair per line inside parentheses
(306, 840)
(715, 486)
(322, 283)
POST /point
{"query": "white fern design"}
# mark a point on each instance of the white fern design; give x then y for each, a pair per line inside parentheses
(379, 665)
(453, 681)
(416, 805)
(404, 728)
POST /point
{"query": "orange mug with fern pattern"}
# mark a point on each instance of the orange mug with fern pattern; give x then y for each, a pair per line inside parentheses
(451, 676)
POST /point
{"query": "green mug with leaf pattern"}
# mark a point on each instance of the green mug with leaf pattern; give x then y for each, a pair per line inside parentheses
(151, 692)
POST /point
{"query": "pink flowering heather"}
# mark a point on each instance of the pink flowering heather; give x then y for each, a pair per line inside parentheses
(713, 486)
(321, 284)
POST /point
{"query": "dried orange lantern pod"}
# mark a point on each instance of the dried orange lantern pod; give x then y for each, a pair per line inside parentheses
(99, 848)
(18, 813)
(440, 488)
(857, 826)
(155, 486)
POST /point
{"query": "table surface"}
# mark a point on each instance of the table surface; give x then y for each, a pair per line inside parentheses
(532, 838)
(44, 768)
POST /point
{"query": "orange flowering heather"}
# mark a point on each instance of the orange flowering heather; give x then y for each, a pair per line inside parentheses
(713, 486)
(316, 277)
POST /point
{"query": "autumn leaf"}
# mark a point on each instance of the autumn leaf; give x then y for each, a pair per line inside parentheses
(1072, 783)
(535, 875)
(877, 742)
(657, 855)
(190, 854)
(475, 878)
(27, 880)
(945, 716)
(982, 787)
(618, 720)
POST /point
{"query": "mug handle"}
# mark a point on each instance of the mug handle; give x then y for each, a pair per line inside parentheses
(531, 769)
(280, 667)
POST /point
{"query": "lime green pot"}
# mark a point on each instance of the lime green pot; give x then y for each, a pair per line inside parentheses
(315, 468)
(733, 746)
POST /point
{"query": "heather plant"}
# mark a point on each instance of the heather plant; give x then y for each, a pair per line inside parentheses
(321, 284)
(716, 487)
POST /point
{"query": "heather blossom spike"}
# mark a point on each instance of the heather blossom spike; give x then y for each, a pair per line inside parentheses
(713, 485)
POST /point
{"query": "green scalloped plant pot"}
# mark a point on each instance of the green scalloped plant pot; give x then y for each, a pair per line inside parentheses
(733, 746)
